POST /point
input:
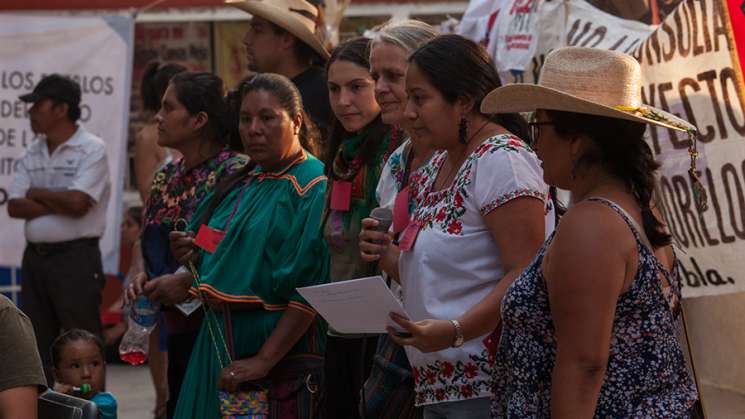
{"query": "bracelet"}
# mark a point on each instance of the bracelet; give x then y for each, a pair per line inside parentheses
(458, 340)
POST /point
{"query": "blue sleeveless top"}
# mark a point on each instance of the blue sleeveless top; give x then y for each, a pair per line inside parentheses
(646, 375)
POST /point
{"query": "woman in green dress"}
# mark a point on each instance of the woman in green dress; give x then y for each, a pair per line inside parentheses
(266, 225)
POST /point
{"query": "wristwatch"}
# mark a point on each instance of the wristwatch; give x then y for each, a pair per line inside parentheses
(458, 340)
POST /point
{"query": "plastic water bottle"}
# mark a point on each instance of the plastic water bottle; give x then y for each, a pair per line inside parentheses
(142, 318)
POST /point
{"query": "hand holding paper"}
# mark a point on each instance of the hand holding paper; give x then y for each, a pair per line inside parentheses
(429, 335)
(356, 306)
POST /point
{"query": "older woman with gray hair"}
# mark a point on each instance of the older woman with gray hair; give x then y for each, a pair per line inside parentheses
(389, 391)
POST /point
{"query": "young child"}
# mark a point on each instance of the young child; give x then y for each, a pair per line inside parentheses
(80, 370)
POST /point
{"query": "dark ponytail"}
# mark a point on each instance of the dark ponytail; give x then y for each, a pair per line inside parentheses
(73, 335)
(622, 150)
(290, 100)
(458, 67)
(203, 92)
(155, 81)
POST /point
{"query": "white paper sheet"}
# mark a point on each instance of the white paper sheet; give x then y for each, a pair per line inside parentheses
(355, 306)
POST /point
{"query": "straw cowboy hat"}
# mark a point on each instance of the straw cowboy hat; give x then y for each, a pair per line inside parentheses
(290, 15)
(594, 82)
(588, 81)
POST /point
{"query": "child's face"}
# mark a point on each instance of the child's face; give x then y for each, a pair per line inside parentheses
(130, 230)
(81, 362)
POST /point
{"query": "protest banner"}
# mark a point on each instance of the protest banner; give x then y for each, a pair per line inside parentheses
(690, 67)
(479, 22)
(565, 23)
(97, 53)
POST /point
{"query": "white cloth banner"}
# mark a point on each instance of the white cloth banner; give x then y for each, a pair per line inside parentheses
(96, 52)
(479, 22)
(559, 24)
(689, 65)
(689, 68)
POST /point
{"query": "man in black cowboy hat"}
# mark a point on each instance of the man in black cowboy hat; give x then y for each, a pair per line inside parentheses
(283, 38)
(61, 189)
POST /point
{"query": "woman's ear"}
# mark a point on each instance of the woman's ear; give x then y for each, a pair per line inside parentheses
(577, 144)
(200, 120)
(297, 123)
(464, 105)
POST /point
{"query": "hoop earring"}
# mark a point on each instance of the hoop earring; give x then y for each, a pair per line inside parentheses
(463, 131)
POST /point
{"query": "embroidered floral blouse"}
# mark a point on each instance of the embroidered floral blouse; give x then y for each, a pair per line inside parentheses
(455, 263)
(175, 194)
(392, 177)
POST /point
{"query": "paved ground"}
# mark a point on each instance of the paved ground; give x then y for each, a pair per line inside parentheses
(133, 389)
(722, 404)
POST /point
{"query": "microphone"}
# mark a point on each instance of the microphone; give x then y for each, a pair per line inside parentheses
(384, 217)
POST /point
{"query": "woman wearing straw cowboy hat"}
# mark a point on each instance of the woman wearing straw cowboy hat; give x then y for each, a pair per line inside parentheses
(588, 328)
(284, 38)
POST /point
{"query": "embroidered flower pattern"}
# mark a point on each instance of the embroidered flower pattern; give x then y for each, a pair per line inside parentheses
(452, 381)
(395, 163)
(496, 203)
(444, 209)
(176, 192)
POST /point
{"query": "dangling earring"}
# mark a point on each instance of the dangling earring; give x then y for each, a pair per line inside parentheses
(573, 173)
(463, 131)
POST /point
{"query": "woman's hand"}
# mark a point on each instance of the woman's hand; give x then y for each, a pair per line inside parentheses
(182, 246)
(243, 370)
(427, 335)
(168, 289)
(373, 243)
(135, 289)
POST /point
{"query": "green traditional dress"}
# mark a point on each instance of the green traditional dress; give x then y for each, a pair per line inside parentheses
(272, 245)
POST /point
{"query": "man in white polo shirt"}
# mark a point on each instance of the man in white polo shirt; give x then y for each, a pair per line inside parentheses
(61, 188)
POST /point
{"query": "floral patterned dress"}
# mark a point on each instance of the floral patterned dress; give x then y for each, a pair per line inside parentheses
(454, 262)
(175, 194)
(646, 376)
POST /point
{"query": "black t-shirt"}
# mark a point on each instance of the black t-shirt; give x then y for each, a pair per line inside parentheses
(312, 86)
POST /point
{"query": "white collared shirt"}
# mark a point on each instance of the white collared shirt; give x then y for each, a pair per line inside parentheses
(78, 164)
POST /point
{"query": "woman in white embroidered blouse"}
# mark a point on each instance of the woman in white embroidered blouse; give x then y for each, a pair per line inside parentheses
(482, 212)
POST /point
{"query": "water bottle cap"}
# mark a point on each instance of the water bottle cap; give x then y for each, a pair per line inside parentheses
(83, 389)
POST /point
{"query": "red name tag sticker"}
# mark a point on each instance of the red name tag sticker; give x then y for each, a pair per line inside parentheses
(341, 195)
(408, 238)
(401, 211)
(208, 238)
